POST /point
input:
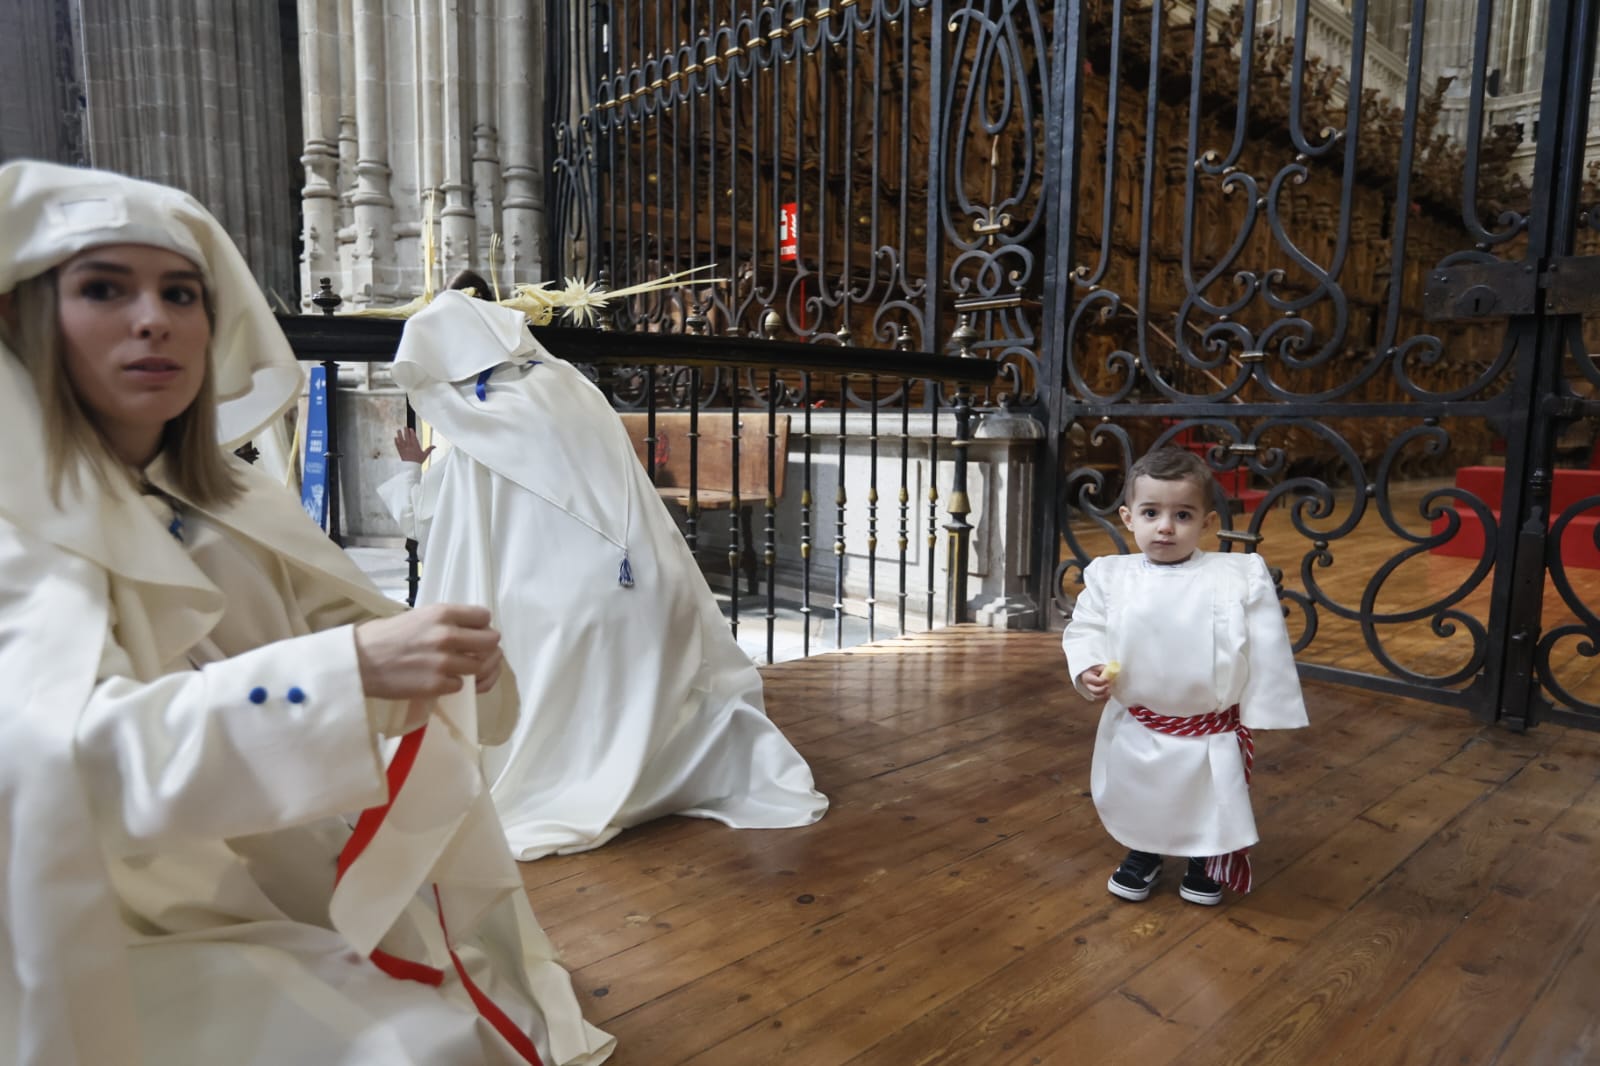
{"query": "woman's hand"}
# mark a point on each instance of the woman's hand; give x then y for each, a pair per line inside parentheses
(426, 652)
(409, 447)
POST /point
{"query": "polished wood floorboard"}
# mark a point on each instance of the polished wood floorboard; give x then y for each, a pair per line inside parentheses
(1425, 891)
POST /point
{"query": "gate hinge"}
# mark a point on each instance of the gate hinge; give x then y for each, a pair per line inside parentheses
(1569, 408)
(1467, 291)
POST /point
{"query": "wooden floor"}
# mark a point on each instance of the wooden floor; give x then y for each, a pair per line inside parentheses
(1426, 891)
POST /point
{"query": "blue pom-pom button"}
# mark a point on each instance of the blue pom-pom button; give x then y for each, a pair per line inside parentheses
(296, 695)
(258, 695)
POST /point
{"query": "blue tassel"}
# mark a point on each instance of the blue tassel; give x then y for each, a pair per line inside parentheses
(483, 384)
(175, 527)
(531, 363)
(625, 575)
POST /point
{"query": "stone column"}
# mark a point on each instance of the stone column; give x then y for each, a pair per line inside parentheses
(412, 96)
(454, 141)
(41, 116)
(372, 265)
(1447, 41)
(485, 133)
(189, 92)
(1013, 441)
(320, 91)
(521, 102)
(349, 145)
(429, 81)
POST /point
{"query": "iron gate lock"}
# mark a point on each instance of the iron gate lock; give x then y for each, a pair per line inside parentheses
(1468, 291)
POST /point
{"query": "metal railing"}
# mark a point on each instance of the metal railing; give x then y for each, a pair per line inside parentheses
(814, 384)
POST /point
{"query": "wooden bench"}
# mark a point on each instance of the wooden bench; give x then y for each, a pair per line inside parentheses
(714, 481)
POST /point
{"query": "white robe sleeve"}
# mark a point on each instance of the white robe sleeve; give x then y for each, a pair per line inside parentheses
(402, 495)
(498, 709)
(1271, 698)
(1085, 641)
(269, 739)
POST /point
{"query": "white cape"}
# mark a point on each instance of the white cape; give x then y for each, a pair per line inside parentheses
(636, 701)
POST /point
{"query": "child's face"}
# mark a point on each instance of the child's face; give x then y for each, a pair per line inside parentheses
(1167, 518)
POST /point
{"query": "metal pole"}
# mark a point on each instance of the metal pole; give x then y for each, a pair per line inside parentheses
(958, 531)
(328, 301)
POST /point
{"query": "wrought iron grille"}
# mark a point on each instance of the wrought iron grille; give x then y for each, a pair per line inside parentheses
(794, 145)
(832, 187)
(1333, 245)
(330, 338)
(1303, 255)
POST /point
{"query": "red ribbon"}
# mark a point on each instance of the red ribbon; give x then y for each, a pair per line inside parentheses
(405, 757)
(1232, 869)
(486, 1006)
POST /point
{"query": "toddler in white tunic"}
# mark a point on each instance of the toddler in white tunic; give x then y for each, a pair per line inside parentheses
(1200, 647)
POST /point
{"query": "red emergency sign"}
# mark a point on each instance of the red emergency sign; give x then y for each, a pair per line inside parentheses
(789, 232)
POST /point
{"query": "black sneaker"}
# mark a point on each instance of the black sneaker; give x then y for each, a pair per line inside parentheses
(1197, 887)
(1134, 877)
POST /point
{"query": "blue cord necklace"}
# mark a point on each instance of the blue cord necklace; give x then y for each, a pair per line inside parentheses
(174, 527)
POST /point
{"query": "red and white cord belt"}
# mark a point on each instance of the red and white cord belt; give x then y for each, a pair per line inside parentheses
(1232, 869)
(404, 969)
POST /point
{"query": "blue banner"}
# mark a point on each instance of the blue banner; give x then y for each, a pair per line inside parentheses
(314, 473)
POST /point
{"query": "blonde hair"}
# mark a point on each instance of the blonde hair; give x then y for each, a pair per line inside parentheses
(199, 468)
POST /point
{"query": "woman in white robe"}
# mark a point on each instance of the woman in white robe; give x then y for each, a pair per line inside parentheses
(197, 688)
(636, 700)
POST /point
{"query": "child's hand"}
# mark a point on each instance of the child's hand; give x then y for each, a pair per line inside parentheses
(409, 447)
(1097, 679)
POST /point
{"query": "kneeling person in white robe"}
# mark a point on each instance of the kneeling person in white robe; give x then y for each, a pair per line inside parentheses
(1190, 651)
(636, 700)
(197, 688)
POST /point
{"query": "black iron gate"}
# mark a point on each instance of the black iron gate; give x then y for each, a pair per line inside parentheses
(1342, 267)
(1339, 247)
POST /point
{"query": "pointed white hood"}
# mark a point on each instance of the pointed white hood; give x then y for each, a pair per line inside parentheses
(536, 422)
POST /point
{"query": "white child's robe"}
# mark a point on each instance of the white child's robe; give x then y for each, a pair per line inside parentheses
(1191, 638)
(636, 700)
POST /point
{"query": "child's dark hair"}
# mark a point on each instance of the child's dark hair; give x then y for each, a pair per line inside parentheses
(1168, 463)
(471, 279)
